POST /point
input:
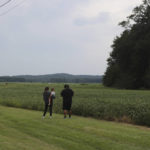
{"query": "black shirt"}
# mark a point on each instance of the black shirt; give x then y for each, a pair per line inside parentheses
(46, 96)
(67, 94)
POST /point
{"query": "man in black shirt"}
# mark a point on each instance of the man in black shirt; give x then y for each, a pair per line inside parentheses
(67, 95)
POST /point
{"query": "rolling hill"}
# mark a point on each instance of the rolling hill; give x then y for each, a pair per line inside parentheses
(53, 78)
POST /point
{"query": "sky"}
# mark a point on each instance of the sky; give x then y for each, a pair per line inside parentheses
(59, 36)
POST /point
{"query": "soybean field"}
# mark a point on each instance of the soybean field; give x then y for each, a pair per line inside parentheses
(90, 100)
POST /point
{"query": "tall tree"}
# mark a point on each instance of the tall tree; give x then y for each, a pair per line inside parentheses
(129, 62)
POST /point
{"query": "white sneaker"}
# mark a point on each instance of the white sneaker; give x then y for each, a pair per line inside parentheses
(43, 117)
(50, 117)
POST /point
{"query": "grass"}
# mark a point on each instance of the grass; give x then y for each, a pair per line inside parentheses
(94, 100)
(25, 130)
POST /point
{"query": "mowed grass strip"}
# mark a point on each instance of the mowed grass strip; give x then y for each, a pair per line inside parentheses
(26, 130)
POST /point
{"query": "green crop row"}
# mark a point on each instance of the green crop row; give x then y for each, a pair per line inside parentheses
(90, 100)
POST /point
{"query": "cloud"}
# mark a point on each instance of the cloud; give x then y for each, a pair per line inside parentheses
(102, 17)
(50, 36)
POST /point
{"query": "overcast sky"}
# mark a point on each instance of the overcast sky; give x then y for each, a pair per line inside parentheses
(59, 36)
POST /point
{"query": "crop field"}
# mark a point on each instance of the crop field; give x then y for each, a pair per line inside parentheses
(90, 100)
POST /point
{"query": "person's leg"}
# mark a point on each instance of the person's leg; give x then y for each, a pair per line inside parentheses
(65, 113)
(51, 108)
(69, 109)
(64, 108)
(70, 113)
(45, 110)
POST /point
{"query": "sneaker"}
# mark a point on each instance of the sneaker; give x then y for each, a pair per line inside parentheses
(43, 117)
(50, 117)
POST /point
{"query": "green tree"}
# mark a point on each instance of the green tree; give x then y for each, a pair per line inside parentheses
(129, 62)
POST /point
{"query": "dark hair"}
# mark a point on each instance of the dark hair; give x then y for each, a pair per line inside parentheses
(52, 89)
(46, 89)
(66, 86)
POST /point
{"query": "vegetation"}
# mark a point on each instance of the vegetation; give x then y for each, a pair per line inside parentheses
(53, 78)
(25, 130)
(94, 100)
(11, 79)
(129, 62)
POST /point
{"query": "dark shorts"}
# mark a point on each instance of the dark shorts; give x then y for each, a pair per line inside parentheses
(67, 105)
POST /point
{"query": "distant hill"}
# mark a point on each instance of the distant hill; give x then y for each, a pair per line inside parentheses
(53, 78)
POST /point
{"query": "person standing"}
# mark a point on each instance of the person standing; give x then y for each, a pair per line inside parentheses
(51, 99)
(67, 95)
(46, 97)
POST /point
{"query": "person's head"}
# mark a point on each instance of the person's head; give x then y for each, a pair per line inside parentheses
(66, 86)
(52, 89)
(46, 89)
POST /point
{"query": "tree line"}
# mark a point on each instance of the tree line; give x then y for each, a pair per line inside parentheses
(53, 78)
(129, 61)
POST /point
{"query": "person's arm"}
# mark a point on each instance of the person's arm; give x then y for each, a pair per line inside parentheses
(49, 99)
(72, 93)
(62, 93)
(43, 97)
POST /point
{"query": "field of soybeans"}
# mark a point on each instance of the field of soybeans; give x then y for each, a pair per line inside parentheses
(90, 100)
